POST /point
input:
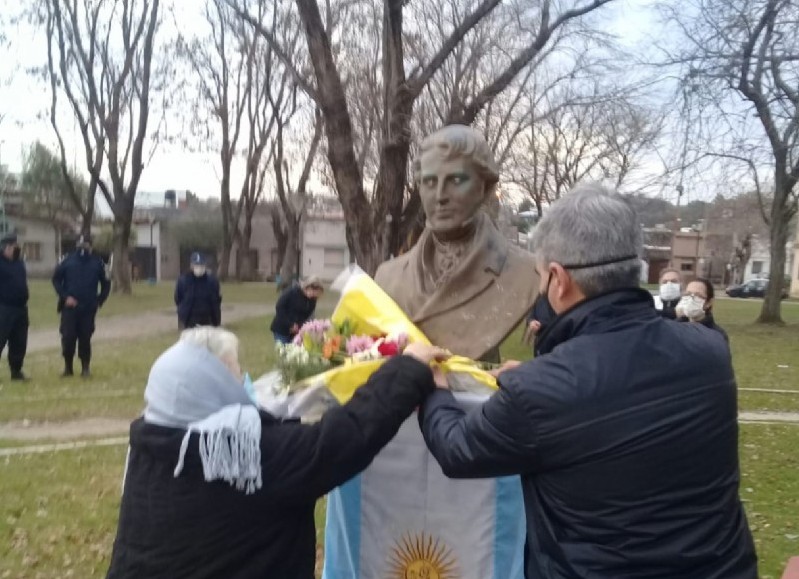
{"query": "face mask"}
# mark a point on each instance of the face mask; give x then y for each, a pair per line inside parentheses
(17, 253)
(692, 307)
(249, 388)
(669, 291)
(199, 270)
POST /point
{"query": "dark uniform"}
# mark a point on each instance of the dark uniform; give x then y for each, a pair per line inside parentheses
(13, 305)
(76, 280)
(198, 297)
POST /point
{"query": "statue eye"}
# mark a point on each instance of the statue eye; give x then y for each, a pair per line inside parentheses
(429, 181)
(459, 179)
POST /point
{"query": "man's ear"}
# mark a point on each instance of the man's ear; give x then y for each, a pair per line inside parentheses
(562, 278)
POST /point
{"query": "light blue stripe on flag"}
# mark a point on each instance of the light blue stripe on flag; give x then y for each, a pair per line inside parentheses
(510, 529)
(343, 531)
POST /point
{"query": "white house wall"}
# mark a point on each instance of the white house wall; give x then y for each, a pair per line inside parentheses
(42, 233)
(324, 248)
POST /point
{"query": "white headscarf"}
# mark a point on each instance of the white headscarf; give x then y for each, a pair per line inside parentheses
(190, 388)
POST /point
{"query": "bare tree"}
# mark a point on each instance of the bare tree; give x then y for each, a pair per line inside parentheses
(293, 200)
(368, 216)
(598, 138)
(747, 49)
(100, 56)
(223, 67)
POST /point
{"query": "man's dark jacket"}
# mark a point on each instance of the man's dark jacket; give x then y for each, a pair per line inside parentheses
(79, 276)
(199, 300)
(293, 307)
(13, 283)
(173, 528)
(624, 431)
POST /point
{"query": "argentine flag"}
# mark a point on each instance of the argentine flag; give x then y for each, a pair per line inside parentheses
(403, 519)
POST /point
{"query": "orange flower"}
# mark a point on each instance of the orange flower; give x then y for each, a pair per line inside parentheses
(331, 347)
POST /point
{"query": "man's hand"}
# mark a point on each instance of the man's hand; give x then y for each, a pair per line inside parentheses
(70, 302)
(509, 365)
(294, 329)
(531, 331)
(425, 353)
(440, 378)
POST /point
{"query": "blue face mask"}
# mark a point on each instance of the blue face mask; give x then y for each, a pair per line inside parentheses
(249, 388)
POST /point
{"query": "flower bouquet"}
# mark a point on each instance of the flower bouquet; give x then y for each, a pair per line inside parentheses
(330, 358)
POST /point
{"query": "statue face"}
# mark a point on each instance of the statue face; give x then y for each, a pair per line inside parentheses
(451, 190)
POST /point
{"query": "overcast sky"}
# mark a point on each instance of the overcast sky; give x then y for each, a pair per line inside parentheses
(25, 102)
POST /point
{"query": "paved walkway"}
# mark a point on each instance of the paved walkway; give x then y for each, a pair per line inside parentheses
(151, 323)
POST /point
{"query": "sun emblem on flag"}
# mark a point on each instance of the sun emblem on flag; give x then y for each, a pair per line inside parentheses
(421, 556)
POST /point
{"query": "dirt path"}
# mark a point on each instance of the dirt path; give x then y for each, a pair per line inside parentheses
(114, 431)
(85, 428)
(129, 327)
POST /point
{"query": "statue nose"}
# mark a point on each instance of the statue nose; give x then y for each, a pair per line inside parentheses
(442, 197)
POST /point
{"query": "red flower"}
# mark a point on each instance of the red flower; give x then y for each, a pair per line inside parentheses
(388, 349)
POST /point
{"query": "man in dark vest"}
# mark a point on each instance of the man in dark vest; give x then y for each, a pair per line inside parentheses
(197, 296)
(76, 281)
(13, 305)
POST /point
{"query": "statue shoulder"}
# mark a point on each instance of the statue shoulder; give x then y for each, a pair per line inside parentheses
(393, 269)
(519, 257)
(520, 276)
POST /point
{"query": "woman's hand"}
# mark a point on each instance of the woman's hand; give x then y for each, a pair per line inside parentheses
(509, 365)
(426, 353)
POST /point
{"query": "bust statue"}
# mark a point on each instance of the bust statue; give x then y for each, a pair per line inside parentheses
(462, 283)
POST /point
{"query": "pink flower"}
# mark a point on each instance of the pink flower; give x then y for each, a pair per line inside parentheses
(315, 330)
(358, 344)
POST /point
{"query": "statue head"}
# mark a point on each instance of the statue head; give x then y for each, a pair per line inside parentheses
(456, 173)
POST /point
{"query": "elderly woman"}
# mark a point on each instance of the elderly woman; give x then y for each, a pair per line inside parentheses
(214, 488)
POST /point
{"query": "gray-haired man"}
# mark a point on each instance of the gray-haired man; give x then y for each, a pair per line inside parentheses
(623, 428)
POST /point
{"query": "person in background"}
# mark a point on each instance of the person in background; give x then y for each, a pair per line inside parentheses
(191, 508)
(670, 292)
(13, 305)
(696, 305)
(295, 307)
(197, 296)
(76, 281)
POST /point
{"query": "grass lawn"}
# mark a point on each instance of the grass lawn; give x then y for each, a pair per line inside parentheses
(59, 510)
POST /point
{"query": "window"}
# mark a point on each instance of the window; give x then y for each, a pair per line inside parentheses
(32, 250)
(757, 267)
(687, 267)
(334, 257)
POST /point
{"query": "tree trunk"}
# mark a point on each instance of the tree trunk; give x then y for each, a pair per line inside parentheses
(281, 237)
(770, 312)
(288, 269)
(245, 262)
(340, 143)
(121, 249)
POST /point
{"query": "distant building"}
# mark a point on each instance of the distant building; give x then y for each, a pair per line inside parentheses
(324, 251)
(42, 240)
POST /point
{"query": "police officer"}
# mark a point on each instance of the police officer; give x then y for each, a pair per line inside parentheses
(197, 296)
(13, 305)
(76, 281)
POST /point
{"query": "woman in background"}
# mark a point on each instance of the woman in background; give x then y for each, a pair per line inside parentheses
(696, 305)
